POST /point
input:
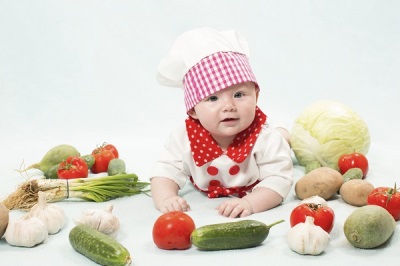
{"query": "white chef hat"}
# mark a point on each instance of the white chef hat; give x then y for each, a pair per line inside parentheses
(203, 61)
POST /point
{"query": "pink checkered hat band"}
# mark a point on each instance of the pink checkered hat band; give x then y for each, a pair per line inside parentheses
(214, 73)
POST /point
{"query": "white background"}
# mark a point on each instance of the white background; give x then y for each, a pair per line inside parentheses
(82, 72)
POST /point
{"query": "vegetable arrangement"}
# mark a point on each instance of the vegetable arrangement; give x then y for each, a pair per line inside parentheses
(323, 216)
(65, 162)
(329, 141)
(324, 131)
(66, 176)
(33, 228)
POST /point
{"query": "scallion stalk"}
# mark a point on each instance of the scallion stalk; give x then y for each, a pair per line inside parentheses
(98, 189)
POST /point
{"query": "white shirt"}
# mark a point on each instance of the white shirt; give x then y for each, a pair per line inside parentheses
(269, 163)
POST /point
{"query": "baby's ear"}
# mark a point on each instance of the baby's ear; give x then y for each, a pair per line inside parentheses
(192, 113)
(257, 92)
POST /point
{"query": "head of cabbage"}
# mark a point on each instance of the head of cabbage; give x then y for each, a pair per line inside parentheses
(324, 131)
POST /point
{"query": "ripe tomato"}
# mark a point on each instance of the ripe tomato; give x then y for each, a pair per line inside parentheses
(111, 148)
(72, 167)
(102, 158)
(172, 230)
(353, 160)
(388, 198)
(323, 215)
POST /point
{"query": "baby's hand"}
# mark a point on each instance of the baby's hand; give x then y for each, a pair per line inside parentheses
(174, 203)
(236, 207)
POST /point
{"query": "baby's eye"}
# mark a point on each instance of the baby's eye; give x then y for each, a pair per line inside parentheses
(238, 94)
(213, 98)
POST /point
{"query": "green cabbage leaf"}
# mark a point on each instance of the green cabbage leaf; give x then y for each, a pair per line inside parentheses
(324, 131)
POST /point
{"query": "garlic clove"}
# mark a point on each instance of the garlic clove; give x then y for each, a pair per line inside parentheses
(307, 238)
(102, 220)
(26, 232)
(50, 214)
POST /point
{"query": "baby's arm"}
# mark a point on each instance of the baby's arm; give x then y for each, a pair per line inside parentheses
(261, 199)
(165, 195)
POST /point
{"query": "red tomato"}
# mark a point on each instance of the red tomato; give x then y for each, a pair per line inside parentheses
(323, 215)
(353, 160)
(102, 158)
(388, 198)
(111, 148)
(172, 230)
(73, 167)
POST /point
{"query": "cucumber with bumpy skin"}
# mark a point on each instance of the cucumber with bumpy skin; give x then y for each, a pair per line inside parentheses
(231, 235)
(98, 246)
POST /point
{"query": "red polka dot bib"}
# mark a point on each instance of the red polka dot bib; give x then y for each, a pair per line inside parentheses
(205, 149)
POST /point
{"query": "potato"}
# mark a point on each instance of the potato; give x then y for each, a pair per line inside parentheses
(323, 182)
(355, 192)
(4, 217)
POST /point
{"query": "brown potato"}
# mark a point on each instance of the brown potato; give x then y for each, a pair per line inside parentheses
(355, 192)
(4, 217)
(323, 182)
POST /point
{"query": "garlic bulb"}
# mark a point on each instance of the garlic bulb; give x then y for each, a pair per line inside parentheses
(26, 232)
(316, 200)
(102, 220)
(51, 214)
(307, 238)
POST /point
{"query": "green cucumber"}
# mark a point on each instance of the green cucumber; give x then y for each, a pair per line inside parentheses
(231, 235)
(116, 166)
(98, 247)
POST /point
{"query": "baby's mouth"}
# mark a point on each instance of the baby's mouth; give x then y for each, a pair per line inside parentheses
(229, 119)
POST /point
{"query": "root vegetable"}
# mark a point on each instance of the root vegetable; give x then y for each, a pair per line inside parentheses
(4, 218)
(355, 192)
(369, 226)
(307, 238)
(26, 232)
(54, 156)
(98, 189)
(102, 220)
(50, 214)
(323, 182)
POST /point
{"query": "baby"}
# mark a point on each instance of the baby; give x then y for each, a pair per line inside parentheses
(226, 148)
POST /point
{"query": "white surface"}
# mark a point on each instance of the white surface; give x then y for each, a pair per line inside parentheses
(83, 72)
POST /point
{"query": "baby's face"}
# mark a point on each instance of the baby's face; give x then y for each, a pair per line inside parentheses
(227, 112)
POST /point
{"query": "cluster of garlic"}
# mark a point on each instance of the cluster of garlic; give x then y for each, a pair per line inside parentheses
(102, 220)
(33, 228)
(307, 238)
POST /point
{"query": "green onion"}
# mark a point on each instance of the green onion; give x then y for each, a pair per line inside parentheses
(98, 189)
